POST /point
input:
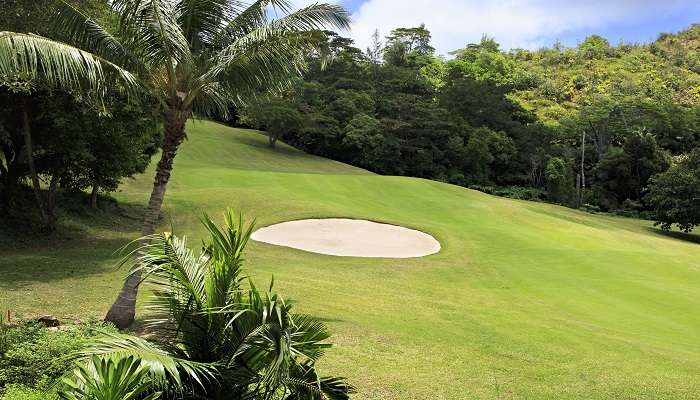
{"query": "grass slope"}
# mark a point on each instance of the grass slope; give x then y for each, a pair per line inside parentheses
(525, 300)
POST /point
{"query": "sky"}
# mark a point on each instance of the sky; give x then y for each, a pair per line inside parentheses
(526, 24)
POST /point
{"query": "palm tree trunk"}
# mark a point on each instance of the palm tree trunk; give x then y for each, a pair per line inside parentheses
(122, 312)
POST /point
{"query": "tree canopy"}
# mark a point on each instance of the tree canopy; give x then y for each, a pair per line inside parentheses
(588, 125)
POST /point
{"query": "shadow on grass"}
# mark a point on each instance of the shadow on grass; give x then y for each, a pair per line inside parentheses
(686, 237)
(54, 264)
(76, 222)
(85, 243)
(280, 149)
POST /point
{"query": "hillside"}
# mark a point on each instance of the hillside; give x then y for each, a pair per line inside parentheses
(525, 300)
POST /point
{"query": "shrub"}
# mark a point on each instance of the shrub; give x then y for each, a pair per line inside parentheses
(214, 331)
(35, 356)
(20, 392)
(520, 193)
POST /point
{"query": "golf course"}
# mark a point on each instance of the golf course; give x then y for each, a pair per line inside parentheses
(524, 300)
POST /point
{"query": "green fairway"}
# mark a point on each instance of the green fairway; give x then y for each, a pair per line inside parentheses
(524, 301)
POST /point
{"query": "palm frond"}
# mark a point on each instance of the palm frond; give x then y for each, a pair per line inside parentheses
(272, 54)
(202, 19)
(305, 384)
(271, 66)
(154, 30)
(123, 378)
(308, 334)
(253, 17)
(306, 20)
(58, 64)
(177, 278)
(213, 100)
(86, 33)
(164, 368)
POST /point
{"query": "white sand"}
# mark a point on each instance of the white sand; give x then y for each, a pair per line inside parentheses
(349, 237)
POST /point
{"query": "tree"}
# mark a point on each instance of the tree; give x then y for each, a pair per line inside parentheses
(375, 49)
(77, 142)
(117, 144)
(32, 101)
(623, 172)
(415, 39)
(487, 155)
(192, 56)
(408, 47)
(674, 195)
(367, 146)
(276, 119)
(478, 158)
(560, 181)
(594, 47)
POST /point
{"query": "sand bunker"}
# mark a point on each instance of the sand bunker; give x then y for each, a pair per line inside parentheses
(349, 237)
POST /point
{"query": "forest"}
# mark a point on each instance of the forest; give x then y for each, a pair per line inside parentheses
(603, 127)
(599, 126)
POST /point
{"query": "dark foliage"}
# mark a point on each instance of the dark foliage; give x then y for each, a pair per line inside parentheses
(675, 194)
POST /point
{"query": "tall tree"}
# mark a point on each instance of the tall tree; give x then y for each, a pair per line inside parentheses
(408, 46)
(375, 49)
(192, 56)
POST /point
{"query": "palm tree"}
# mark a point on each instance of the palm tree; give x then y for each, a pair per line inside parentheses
(206, 316)
(191, 56)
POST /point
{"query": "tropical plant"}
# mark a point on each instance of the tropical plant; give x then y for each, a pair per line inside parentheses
(109, 379)
(674, 195)
(192, 56)
(206, 317)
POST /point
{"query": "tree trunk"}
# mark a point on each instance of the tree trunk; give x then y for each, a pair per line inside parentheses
(51, 202)
(93, 197)
(578, 190)
(36, 186)
(583, 169)
(122, 312)
(271, 140)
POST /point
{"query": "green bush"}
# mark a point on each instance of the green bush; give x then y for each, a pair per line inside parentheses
(34, 356)
(591, 208)
(512, 192)
(20, 392)
(520, 193)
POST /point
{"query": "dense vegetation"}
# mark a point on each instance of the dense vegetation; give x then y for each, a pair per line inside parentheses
(585, 126)
(65, 141)
(588, 125)
(33, 358)
(214, 336)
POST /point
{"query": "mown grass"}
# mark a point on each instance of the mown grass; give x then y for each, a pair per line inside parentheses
(525, 300)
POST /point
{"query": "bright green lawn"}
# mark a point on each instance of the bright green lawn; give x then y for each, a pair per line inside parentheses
(525, 300)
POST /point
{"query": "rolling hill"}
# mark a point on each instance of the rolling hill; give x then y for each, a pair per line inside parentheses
(525, 300)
